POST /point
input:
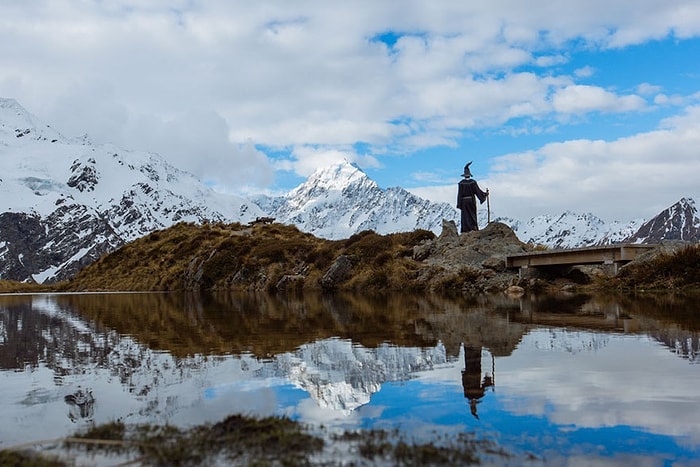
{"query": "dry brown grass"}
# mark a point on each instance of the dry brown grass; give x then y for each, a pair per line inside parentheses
(667, 271)
(231, 256)
(21, 287)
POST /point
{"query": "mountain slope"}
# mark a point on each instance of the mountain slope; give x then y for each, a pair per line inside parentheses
(678, 222)
(65, 202)
(571, 230)
(340, 200)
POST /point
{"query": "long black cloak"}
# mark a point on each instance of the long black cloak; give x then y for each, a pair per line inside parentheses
(467, 193)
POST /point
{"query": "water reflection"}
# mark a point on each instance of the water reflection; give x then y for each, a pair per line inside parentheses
(572, 370)
(475, 384)
(81, 403)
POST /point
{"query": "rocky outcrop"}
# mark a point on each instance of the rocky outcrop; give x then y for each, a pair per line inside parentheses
(339, 271)
(472, 261)
(485, 248)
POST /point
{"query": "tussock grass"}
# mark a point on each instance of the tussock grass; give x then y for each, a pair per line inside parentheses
(678, 270)
(241, 440)
(21, 287)
(232, 256)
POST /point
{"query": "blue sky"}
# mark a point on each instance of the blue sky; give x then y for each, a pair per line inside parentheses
(590, 107)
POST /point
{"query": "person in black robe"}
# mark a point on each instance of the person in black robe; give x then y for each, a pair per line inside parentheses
(468, 191)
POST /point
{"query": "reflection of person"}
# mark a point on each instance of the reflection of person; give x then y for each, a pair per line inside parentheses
(467, 190)
(81, 405)
(474, 386)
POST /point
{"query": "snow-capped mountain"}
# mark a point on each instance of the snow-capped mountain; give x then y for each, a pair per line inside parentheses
(678, 222)
(338, 201)
(571, 230)
(64, 202)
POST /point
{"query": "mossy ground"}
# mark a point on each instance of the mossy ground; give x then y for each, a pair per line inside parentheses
(239, 440)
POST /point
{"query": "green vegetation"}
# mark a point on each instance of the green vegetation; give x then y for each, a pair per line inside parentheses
(264, 441)
(674, 271)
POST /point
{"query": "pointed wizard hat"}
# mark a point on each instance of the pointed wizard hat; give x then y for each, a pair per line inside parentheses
(467, 172)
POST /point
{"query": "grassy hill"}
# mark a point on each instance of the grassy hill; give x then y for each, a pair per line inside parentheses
(276, 257)
(259, 257)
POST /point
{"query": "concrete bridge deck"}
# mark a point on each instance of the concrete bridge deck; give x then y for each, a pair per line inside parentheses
(612, 255)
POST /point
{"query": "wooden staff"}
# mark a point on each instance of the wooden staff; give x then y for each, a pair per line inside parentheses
(488, 206)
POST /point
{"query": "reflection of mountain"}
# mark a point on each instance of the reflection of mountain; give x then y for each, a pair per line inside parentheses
(28, 337)
(259, 323)
(339, 349)
(343, 376)
(337, 373)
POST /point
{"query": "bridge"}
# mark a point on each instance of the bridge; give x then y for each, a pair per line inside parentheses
(611, 256)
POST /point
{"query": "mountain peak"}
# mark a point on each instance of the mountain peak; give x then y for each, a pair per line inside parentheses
(339, 200)
(337, 176)
(17, 124)
(678, 222)
(686, 203)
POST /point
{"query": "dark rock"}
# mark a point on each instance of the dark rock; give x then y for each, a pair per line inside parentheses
(494, 263)
(338, 272)
(449, 230)
(55, 243)
(290, 282)
(84, 176)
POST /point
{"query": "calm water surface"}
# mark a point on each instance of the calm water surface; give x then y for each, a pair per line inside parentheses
(568, 380)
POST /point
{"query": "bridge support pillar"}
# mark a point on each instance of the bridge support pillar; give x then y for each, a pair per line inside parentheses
(527, 272)
(610, 267)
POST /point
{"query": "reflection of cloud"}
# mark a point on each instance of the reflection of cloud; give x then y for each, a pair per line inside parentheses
(632, 381)
(310, 412)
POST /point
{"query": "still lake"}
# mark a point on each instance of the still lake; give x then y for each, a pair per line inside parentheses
(556, 380)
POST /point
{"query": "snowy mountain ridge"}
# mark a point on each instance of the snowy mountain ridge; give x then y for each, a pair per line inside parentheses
(572, 230)
(64, 202)
(340, 200)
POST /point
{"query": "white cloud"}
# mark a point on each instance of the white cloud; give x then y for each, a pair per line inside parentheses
(551, 60)
(307, 159)
(624, 179)
(646, 89)
(577, 99)
(663, 99)
(632, 177)
(584, 72)
(310, 74)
